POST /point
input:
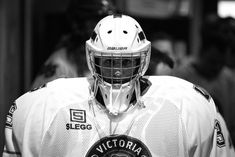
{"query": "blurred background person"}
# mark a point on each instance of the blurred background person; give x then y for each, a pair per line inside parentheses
(160, 63)
(210, 68)
(162, 55)
(68, 58)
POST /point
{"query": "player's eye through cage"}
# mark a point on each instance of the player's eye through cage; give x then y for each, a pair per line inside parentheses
(117, 68)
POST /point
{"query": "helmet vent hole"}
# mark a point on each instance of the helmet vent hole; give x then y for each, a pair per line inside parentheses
(125, 32)
(106, 96)
(110, 31)
(138, 40)
(96, 39)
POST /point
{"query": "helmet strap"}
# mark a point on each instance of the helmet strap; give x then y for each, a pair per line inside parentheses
(138, 94)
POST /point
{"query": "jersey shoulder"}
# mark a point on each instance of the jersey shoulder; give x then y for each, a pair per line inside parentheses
(184, 94)
(53, 96)
(177, 87)
(194, 105)
(58, 90)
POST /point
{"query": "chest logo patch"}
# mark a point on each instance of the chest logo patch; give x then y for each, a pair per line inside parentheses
(118, 146)
(78, 120)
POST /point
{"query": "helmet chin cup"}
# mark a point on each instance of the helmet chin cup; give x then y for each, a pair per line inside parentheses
(117, 100)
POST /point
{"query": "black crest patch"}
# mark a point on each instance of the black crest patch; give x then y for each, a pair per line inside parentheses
(202, 91)
(10, 115)
(220, 137)
(37, 88)
(118, 146)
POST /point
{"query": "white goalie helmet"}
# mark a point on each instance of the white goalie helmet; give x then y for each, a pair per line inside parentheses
(118, 54)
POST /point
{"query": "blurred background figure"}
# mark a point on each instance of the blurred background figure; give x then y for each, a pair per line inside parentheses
(167, 54)
(212, 68)
(160, 63)
(68, 58)
(162, 55)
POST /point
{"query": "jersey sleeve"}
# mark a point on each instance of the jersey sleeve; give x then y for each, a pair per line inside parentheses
(222, 145)
(32, 114)
(24, 129)
(11, 148)
(207, 133)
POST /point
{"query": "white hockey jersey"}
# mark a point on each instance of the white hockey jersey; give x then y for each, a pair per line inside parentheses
(179, 120)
